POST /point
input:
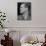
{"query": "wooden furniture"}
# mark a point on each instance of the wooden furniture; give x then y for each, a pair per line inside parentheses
(8, 41)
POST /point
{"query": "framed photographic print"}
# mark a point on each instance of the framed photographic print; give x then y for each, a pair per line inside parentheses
(24, 11)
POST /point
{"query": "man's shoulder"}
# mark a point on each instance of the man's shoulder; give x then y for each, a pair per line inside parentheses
(20, 17)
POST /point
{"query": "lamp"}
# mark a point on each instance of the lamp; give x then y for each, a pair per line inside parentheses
(7, 31)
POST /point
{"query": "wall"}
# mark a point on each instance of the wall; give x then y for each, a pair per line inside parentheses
(38, 13)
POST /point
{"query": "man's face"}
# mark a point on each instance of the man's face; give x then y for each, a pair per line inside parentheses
(23, 8)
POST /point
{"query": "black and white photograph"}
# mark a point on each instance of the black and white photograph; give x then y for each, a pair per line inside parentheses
(24, 11)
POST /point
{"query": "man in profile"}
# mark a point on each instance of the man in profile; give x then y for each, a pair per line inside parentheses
(25, 13)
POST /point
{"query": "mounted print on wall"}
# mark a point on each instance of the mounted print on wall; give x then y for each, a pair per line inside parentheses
(24, 11)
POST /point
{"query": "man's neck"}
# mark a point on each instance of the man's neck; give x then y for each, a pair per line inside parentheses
(25, 15)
